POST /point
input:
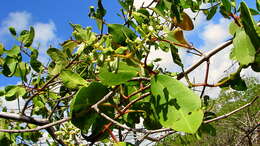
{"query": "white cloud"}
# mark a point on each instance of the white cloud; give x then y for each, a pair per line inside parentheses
(45, 36)
(215, 33)
(138, 3)
(45, 33)
(18, 20)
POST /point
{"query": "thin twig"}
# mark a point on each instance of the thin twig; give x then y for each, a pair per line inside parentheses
(206, 79)
(232, 112)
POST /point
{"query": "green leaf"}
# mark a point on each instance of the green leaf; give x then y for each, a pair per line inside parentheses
(243, 50)
(26, 37)
(120, 33)
(5, 138)
(227, 5)
(14, 52)
(69, 44)
(82, 116)
(238, 84)
(234, 81)
(212, 12)
(126, 4)
(28, 42)
(233, 27)
(84, 34)
(177, 106)
(1, 49)
(254, 12)
(175, 56)
(72, 80)
(10, 66)
(12, 31)
(208, 129)
(57, 56)
(13, 92)
(22, 70)
(249, 25)
(120, 76)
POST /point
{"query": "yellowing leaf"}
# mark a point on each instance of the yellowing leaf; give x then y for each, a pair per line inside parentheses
(186, 22)
(178, 35)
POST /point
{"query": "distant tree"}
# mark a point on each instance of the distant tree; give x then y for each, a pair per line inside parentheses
(98, 87)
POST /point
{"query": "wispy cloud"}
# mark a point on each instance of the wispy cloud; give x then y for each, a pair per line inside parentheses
(45, 32)
(19, 20)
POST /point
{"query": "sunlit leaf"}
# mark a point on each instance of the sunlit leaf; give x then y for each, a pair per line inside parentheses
(177, 106)
(121, 75)
(72, 80)
(243, 50)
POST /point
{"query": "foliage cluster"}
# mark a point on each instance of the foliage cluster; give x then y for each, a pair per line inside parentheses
(97, 83)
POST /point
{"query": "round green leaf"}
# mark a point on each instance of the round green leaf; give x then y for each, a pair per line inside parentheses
(177, 106)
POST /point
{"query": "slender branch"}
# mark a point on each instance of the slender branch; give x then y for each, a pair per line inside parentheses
(140, 79)
(105, 98)
(45, 86)
(205, 57)
(138, 91)
(37, 128)
(232, 112)
(161, 137)
(21, 118)
(206, 79)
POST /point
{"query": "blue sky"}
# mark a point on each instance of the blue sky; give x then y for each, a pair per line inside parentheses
(51, 19)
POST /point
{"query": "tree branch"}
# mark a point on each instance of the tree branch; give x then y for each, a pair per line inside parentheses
(17, 117)
(205, 57)
(232, 112)
(38, 128)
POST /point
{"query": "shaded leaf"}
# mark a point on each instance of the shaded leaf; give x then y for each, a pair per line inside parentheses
(212, 12)
(249, 25)
(175, 56)
(120, 33)
(82, 116)
(13, 92)
(12, 31)
(256, 64)
(227, 5)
